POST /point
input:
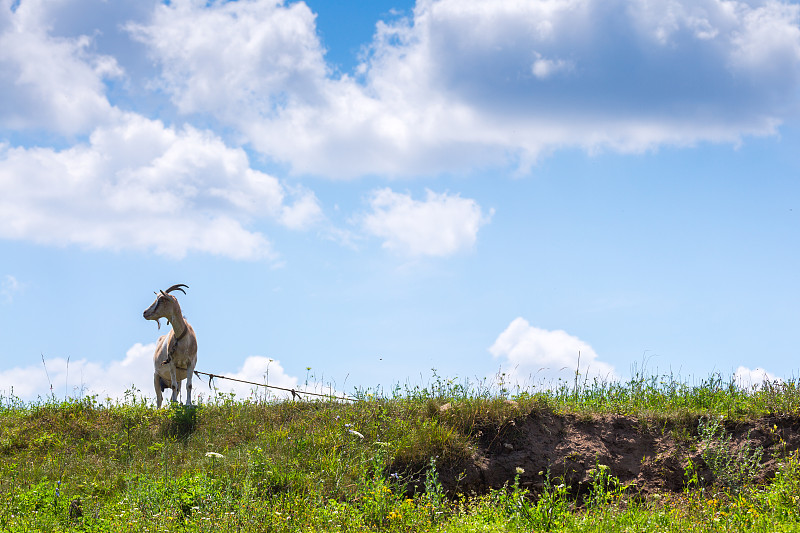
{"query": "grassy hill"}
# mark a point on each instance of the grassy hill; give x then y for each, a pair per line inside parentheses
(652, 454)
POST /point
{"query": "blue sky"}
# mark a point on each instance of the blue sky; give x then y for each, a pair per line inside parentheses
(373, 190)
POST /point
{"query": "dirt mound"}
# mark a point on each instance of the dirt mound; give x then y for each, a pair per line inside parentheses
(648, 455)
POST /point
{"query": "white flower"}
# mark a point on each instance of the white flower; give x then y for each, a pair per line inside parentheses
(214, 454)
(356, 433)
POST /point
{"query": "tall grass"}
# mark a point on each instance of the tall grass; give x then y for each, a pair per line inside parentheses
(328, 466)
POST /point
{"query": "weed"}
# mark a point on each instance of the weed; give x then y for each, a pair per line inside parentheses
(604, 488)
(552, 508)
(181, 421)
(732, 469)
(434, 497)
(691, 476)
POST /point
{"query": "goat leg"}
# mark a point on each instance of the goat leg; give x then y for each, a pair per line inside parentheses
(175, 384)
(189, 373)
(159, 385)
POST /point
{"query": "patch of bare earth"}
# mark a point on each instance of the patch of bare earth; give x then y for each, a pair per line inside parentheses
(648, 456)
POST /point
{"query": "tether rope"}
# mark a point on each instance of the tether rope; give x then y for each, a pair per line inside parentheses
(295, 393)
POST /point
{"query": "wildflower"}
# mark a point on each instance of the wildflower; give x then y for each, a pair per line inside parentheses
(215, 455)
(356, 433)
(395, 475)
(520, 470)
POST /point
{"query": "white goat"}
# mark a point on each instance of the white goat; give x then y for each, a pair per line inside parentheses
(176, 352)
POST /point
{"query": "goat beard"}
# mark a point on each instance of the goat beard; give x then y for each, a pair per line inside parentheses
(158, 321)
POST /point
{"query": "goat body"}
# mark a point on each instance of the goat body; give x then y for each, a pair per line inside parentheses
(176, 352)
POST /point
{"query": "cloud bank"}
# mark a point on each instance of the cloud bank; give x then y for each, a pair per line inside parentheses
(133, 374)
(137, 184)
(130, 131)
(465, 83)
(79, 377)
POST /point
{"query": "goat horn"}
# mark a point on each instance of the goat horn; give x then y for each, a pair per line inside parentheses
(177, 288)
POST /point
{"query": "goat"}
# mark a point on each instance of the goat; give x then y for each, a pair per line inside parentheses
(176, 352)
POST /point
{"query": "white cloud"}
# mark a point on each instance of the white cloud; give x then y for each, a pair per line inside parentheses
(234, 55)
(258, 369)
(439, 225)
(9, 287)
(544, 68)
(52, 83)
(138, 184)
(465, 83)
(534, 356)
(748, 378)
(265, 371)
(304, 212)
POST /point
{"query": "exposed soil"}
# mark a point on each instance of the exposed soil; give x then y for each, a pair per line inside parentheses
(650, 456)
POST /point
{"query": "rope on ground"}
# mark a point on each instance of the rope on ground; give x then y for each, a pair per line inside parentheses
(295, 393)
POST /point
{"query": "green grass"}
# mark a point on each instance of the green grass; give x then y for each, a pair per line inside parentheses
(230, 465)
